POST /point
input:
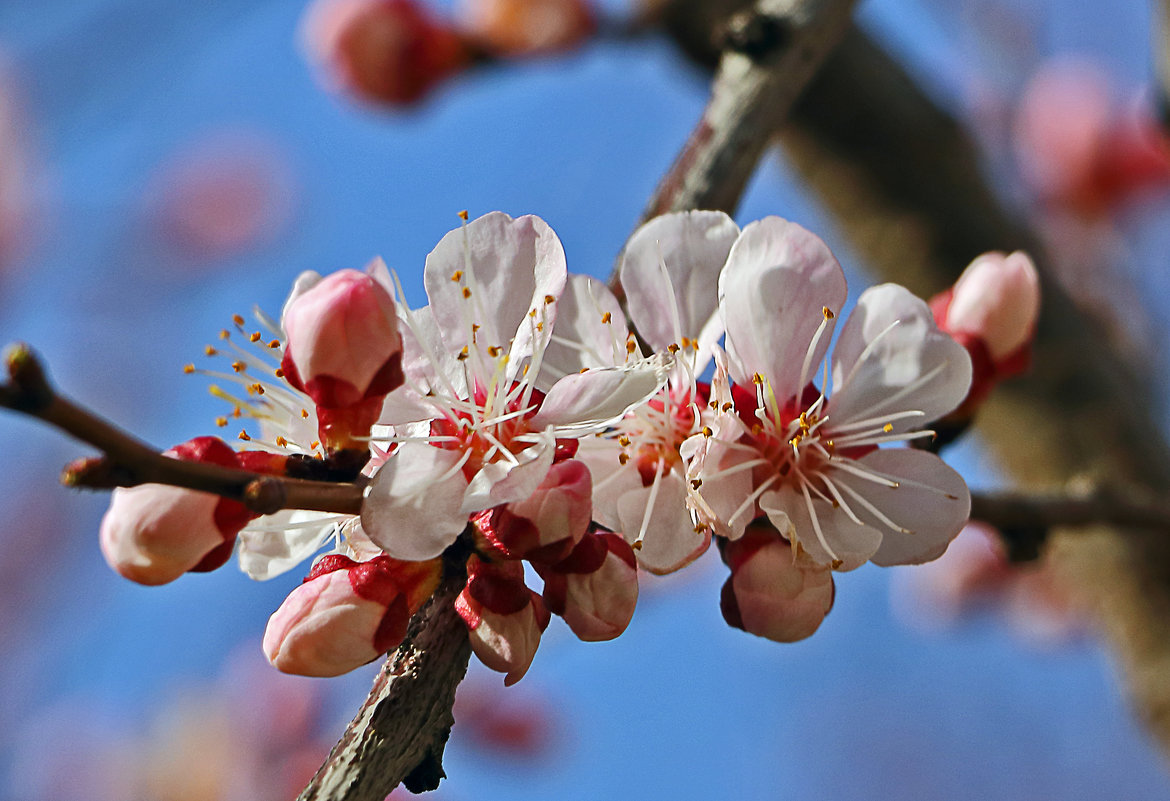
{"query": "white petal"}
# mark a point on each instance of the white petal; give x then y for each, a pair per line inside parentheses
(510, 266)
(267, 554)
(611, 479)
(724, 489)
(505, 482)
(891, 357)
(693, 247)
(601, 395)
(840, 540)
(670, 541)
(303, 283)
(777, 280)
(932, 501)
(588, 340)
(412, 507)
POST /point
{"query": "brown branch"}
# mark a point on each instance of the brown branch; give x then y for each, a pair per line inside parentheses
(771, 51)
(129, 462)
(399, 734)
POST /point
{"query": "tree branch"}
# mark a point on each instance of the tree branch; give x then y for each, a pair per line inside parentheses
(399, 734)
(129, 462)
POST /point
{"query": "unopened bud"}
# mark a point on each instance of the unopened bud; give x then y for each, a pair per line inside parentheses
(504, 618)
(152, 534)
(344, 351)
(997, 299)
(347, 613)
(388, 51)
(545, 526)
(596, 588)
(772, 592)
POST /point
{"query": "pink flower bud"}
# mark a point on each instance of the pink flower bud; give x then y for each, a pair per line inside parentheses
(528, 27)
(596, 588)
(152, 534)
(772, 592)
(997, 300)
(343, 340)
(389, 51)
(504, 618)
(347, 613)
(546, 525)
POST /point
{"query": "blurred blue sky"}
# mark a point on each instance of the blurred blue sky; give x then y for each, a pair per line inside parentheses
(681, 707)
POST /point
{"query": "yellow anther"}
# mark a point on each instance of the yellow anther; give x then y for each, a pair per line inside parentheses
(237, 412)
(463, 354)
(457, 276)
(258, 388)
(221, 422)
(540, 326)
(474, 327)
(239, 367)
(244, 436)
(888, 427)
(757, 379)
(549, 299)
(225, 334)
(210, 351)
(623, 458)
(837, 564)
(696, 483)
(728, 406)
(493, 351)
(606, 318)
(304, 414)
(631, 345)
(278, 373)
(707, 432)
(625, 441)
(314, 444)
(256, 336)
(700, 528)
(672, 347)
(188, 368)
(825, 310)
(466, 292)
(463, 215)
(237, 319)
(532, 313)
(281, 442)
(830, 444)
(712, 404)
(636, 545)
(274, 344)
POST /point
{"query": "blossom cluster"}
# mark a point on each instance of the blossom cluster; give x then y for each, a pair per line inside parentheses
(517, 418)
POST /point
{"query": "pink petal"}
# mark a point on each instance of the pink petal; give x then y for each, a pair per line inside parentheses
(777, 280)
(581, 320)
(510, 266)
(693, 246)
(504, 482)
(669, 541)
(599, 396)
(908, 364)
(932, 501)
(412, 508)
(997, 298)
(841, 544)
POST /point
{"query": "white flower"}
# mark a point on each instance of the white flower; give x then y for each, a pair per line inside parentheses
(783, 449)
(670, 273)
(488, 435)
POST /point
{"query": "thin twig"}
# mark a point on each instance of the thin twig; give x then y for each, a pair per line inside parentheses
(129, 462)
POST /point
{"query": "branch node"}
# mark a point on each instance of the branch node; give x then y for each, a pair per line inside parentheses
(29, 389)
(756, 34)
(97, 472)
(265, 495)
